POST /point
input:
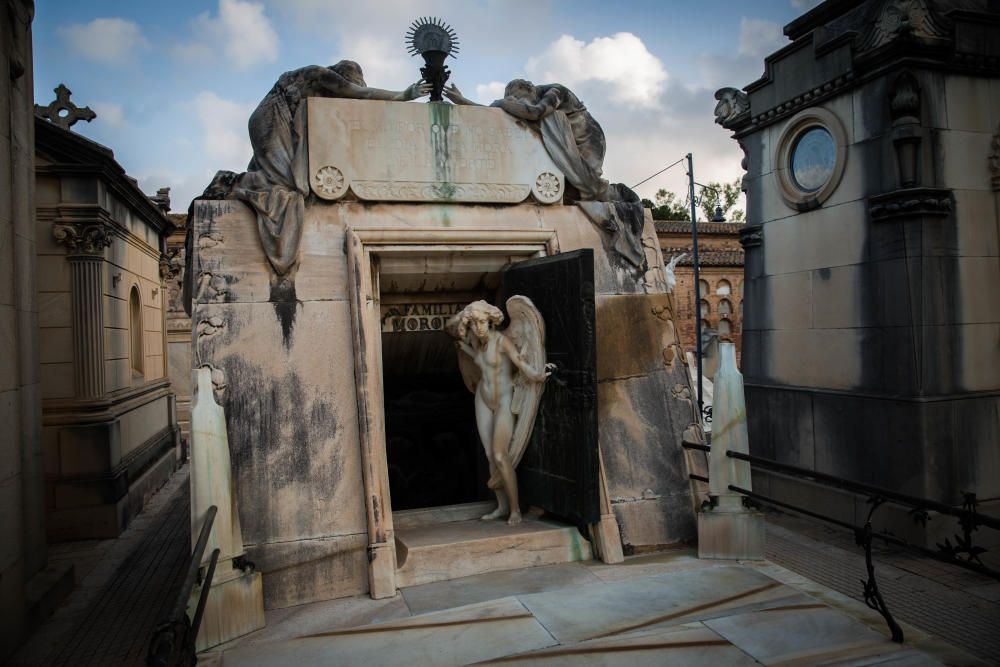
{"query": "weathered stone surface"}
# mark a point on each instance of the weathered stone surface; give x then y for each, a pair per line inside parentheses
(291, 415)
(384, 151)
(635, 335)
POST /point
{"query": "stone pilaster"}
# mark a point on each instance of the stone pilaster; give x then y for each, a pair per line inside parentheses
(85, 244)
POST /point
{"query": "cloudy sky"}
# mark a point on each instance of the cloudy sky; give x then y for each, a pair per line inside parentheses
(173, 83)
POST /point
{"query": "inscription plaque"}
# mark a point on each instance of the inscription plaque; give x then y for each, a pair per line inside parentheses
(402, 151)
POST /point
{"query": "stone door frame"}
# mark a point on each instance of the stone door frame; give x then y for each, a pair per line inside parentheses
(364, 249)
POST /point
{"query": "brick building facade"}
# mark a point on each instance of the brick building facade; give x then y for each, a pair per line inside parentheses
(720, 262)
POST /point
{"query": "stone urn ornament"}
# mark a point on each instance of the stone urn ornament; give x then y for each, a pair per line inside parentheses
(435, 40)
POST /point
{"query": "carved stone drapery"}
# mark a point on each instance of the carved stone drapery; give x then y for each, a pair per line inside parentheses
(85, 244)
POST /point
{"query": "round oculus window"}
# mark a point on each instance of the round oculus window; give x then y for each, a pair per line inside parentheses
(814, 158)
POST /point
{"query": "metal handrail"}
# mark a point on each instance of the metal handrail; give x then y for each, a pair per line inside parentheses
(173, 641)
(968, 517)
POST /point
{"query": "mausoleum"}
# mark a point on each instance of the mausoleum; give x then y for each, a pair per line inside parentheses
(356, 462)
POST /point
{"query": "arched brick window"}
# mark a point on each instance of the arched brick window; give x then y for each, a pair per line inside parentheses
(723, 287)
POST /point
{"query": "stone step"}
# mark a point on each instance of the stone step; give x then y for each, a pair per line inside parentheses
(445, 551)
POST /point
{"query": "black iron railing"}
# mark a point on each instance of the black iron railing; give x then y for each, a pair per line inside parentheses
(963, 552)
(173, 642)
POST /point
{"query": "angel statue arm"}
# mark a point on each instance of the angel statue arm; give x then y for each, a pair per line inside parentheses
(523, 366)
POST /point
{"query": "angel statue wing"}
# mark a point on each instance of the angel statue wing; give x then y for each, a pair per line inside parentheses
(527, 332)
(470, 371)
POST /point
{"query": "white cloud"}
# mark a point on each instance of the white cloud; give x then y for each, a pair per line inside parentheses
(383, 61)
(759, 38)
(111, 41)
(488, 92)
(109, 113)
(225, 139)
(635, 75)
(241, 33)
(805, 5)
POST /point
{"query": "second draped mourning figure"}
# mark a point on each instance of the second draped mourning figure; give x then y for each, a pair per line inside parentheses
(506, 371)
(575, 142)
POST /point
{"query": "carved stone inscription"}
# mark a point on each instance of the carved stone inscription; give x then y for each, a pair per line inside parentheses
(395, 151)
(407, 317)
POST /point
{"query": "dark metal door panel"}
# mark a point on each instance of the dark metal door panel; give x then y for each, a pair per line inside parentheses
(559, 471)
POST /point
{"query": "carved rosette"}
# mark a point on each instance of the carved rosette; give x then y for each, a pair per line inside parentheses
(330, 183)
(548, 188)
(83, 239)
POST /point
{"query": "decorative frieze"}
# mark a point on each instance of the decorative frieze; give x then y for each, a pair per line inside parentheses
(911, 202)
(733, 108)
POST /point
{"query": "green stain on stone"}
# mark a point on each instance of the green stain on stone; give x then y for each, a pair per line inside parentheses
(440, 123)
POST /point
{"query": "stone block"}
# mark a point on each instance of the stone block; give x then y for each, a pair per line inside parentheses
(656, 522)
(291, 415)
(780, 425)
(965, 98)
(234, 607)
(9, 342)
(955, 169)
(870, 114)
(11, 509)
(116, 343)
(635, 333)
(895, 287)
(787, 300)
(57, 380)
(117, 374)
(731, 535)
(12, 616)
(980, 356)
(55, 345)
(55, 309)
(842, 297)
(824, 237)
(7, 273)
(10, 447)
(85, 450)
(311, 570)
(978, 302)
(814, 358)
(976, 215)
(24, 266)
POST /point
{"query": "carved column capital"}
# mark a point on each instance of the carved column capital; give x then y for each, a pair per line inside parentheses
(83, 238)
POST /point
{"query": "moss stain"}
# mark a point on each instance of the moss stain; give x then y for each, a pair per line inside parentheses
(440, 124)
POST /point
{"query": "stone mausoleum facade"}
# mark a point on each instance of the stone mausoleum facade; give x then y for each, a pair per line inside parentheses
(356, 463)
(871, 318)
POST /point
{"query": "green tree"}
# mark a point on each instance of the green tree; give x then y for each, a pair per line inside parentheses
(724, 195)
(668, 206)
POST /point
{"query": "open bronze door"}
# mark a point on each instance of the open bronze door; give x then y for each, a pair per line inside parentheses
(560, 468)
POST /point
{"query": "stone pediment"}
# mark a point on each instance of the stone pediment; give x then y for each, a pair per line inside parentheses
(437, 152)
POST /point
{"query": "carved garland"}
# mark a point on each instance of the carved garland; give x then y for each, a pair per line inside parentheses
(83, 239)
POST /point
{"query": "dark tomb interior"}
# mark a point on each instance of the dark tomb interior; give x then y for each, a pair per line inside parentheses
(432, 445)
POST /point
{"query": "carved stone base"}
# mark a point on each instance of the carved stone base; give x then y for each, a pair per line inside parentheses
(235, 607)
(382, 570)
(731, 535)
(606, 539)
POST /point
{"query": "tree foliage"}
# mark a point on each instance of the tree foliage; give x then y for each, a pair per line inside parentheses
(668, 206)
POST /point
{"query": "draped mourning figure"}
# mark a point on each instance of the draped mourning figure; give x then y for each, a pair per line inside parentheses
(575, 142)
(276, 181)
(506, 371)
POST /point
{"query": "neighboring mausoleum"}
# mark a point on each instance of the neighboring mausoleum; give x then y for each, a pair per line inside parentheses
(871, 322)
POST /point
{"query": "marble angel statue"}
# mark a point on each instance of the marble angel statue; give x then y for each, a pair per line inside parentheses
(506, 371)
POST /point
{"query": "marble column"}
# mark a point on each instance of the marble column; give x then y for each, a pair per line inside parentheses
(85, 244)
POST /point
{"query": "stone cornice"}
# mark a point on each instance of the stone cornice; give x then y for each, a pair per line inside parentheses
(61, 411)
(751, 236)
(76, 155)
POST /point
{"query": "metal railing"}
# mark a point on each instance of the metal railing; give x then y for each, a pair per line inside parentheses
(963, 553)
(173, 642)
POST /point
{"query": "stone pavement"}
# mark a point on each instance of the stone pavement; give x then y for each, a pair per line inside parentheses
(663, 609)
(126, 587)
(958, 605)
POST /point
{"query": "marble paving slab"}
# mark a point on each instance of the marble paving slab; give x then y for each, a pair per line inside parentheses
(578, 614)
(455, 637)
(813, 635)
(493, 585)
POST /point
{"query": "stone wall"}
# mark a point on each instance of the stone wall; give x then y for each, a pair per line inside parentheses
(290, 393)
(22, 509)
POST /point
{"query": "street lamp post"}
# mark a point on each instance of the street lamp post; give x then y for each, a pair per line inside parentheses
(697, 284)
